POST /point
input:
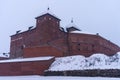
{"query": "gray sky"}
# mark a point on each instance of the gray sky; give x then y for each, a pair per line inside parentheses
(97, 16)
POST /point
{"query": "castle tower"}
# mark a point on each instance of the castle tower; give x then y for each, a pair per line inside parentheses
(48, 26)
(46, 31)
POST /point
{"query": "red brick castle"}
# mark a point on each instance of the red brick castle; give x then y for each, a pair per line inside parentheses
(48, 38)
(33, 51)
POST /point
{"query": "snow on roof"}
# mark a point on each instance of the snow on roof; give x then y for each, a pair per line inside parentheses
(71, 25)
(81, 32)
(118, 53)
(77, 31)
(27, 59)
(48, 12)
(96, 61)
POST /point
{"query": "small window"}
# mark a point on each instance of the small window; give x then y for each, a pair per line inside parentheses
(39, 21)
(93, 47)
(79, 49)
(44, 18)
(79, 44)
(22, 47)
(49, 18)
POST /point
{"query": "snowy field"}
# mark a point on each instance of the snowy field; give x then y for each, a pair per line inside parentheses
(53, 78)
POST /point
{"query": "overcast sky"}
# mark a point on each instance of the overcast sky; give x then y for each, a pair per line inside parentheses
(97, 16)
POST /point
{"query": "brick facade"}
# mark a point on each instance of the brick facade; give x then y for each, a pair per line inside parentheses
(24, 68)
(41, 51)
(88, 44)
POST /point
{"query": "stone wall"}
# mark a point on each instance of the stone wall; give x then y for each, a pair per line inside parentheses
(87, 73)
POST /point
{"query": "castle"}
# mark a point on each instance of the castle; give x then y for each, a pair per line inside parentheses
(34, 50)
(48, 38)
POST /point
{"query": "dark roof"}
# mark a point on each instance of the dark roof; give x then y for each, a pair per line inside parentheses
(48, 14)
(72, 29)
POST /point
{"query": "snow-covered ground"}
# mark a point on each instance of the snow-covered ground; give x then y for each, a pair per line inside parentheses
(95, 61)
(54, 78)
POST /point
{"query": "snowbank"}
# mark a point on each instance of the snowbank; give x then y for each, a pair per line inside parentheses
(96, 61)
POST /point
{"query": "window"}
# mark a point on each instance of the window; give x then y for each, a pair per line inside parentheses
(39, 21)
(49, 18)
(93, 47)
(79, 49)
(78, 46)
(44, 18)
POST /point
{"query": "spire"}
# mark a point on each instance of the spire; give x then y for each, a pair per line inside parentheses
(48, 9)
(72, 27)
(72, 20)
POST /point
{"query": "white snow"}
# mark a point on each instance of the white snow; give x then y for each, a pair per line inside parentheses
(36, 77)
(82, 32)
(26, 59)
(72, 25)
(96, 61)
(4, 55)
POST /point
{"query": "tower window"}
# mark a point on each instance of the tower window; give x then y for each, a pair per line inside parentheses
(44, 18)
(49, 18)
(79, 49)
(93, 47)
(38, 21)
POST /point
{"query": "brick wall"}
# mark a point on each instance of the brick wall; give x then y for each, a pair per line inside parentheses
(24, 68)
(87, 44)
(42, 51)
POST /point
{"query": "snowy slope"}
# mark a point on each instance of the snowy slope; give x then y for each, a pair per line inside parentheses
(96, 61)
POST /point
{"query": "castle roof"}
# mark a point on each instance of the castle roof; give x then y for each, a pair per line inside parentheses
(48, 12)
(72, 27)
(82, 32)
